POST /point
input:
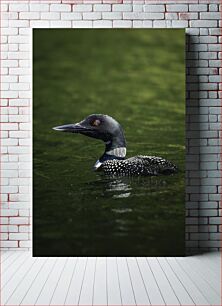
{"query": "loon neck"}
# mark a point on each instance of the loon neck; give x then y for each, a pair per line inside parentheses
(112, 151)
(115, 148)
(117, 153)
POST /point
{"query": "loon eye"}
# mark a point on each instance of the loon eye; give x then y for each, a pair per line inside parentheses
(95, 122)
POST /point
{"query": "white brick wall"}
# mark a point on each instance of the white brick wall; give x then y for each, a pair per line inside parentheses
(203, 60)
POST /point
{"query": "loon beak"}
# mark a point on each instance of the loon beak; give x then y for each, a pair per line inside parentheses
(72, 128)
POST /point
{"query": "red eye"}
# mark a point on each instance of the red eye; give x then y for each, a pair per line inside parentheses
(96, 122)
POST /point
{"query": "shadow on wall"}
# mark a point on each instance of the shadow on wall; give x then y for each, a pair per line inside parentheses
(193, 171)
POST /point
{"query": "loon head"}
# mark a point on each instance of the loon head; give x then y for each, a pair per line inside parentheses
(101, 127)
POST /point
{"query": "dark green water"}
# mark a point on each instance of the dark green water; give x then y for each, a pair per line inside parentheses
(136, 76)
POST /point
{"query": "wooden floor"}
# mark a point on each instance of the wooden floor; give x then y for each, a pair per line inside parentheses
(27, 280)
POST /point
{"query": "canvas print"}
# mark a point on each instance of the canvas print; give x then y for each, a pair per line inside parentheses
(108, 142)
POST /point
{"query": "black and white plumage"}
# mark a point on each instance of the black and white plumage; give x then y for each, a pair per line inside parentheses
(113, 161)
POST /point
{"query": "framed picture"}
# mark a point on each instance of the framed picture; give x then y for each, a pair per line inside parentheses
(109, 142)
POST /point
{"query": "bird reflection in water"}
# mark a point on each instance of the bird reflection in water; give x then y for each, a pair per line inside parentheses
(126, 187)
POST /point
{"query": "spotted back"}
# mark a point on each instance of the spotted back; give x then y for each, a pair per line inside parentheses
(139, 165)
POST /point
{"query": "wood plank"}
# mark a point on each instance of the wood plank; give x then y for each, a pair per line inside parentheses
(100, 284)
(75, 286)
(212, 261)
(86, 294)
(10, 261)
(152, 288)
(13, 269)
(47, 292)
(165, 287)
(17, 278)
(210, 294)
(39, 281)
(213, 279)
(61, 290)
(191, 288)
(180, 291)
(113, 286)
(4, 255)
(126, 289)
(139, 288)
(18, 294)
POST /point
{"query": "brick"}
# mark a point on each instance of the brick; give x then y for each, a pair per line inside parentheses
(19, 71)
(215, 63)
(216, 31)
(177, 8)
(188, 16)
(138, 23)
(9, 63)
(208, 16)
(215, 236)
(21, 7)
(154, 8)
(3, 220)
(4, 7)
(29, 15)
(9, 244)
(122, 23)
(208, 212)
(9, 126)
(162, 24)
(36, 7)
(122, 7)
(13, 158)
(9, 212)
(9, 173)
(24, 229)
(18, 23)
(102, 23)
(215, 220)
(82, 8)
(147, 24)
(9, 94)
(214, 47)
(24, 126)
(9, 142)
(112, 15)
(19, 102)
(18, 236)
(102, 7)
(138, 15)
(25, 244)
(203, 23)
(60, 24)
(60, 8)
(19, 86)
(71, 16)
(198, 7)
(18, 118)
(39, 24)
(92, 16)
(179, 23)
(82, 24)
(137, 8)
(24, 212)
(207, 55)
(18, 150)
(171, 16)
(51, 16)
(208, 205)
(199, 236)
(213, 7)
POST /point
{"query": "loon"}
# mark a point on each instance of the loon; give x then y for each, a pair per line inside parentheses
(113, 161)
